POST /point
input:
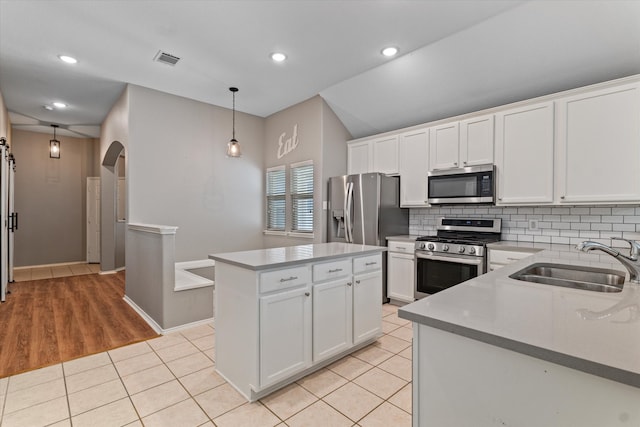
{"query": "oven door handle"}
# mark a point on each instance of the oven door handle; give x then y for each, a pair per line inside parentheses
(453, 259)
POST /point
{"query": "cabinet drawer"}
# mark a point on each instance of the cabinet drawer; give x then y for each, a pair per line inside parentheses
(367, 263)
(506, 257)
(403, 247)
(331, 270)
(284, 279)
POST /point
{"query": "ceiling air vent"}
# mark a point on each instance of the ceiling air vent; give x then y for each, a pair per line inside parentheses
(166, 58)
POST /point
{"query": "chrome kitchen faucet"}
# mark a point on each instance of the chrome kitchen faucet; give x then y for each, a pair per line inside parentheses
(630, 262)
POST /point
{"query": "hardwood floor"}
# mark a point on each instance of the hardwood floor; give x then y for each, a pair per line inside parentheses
(49, 321)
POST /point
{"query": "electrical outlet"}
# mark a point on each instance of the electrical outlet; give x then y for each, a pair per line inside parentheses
(533, 224)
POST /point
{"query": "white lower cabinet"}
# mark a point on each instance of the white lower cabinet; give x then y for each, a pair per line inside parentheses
(367, 308)
(285, 324)
(275, 326)
(400, 271)
(498, 258)
(332, 318)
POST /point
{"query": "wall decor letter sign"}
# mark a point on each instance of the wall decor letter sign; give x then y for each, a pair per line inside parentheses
(285, 146)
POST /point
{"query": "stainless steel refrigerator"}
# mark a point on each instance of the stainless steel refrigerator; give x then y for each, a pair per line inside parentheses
(365, 209)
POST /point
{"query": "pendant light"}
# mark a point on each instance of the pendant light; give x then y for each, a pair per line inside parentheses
(233, 147)
(54, 145)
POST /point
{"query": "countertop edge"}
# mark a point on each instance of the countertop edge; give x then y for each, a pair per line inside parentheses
(587, 366)
(222, 259)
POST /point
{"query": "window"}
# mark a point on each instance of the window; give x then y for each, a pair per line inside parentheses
(276, 198)
(302, 197)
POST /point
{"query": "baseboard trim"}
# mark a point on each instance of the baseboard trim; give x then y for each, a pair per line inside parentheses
(154, 325)
(61, 264)
(112, 271)
(143, 314)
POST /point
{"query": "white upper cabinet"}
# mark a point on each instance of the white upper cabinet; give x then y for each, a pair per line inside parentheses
(598, 153)
(377, 155)
(444, 146)
(414, 166)
(460, 144)
(476, 141)
(359, 157)
(385, 155)
(524, 154)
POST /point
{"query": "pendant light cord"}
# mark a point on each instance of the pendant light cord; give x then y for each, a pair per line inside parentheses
(234, 116)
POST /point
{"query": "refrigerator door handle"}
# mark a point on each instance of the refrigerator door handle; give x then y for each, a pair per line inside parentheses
(348, 231)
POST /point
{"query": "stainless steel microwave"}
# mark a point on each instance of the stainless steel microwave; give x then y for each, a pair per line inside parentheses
(469, 185)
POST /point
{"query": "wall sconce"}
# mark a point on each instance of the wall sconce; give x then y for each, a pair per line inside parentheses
(233, 147)
(54, 145)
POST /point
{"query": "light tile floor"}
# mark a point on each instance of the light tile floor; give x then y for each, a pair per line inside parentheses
(39, 273)
(171, 381)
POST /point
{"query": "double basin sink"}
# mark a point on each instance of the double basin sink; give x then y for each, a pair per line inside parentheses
(571, 276)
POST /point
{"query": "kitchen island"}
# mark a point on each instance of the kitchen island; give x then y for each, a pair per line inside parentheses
(495, 351)
(282, 313)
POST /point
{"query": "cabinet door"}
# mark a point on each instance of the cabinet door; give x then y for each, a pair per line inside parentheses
(524, 154)
(359, 157)
(332, 318)
(385, 155)
(367, 307)
(400, 276)
(599, 146)
(285, 334)
(414, 166)
(476, 141)
(443, 146)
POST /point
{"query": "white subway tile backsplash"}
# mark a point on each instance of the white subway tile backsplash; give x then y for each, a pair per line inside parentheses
(562, 225)
(623, 227)
(623, 211)
(600, 211)
(612, 219)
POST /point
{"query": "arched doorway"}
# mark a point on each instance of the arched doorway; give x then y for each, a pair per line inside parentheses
(113, 214)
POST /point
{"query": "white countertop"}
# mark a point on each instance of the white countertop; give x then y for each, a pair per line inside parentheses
(590, 331)
(261, 259)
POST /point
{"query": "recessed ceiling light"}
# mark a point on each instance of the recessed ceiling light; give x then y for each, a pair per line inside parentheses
(68, 59)
(278, 56)
(389, 51)
(47, 107)
(59, 104)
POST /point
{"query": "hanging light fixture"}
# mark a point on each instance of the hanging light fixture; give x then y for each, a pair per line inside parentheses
(233, 147)
(54, 145)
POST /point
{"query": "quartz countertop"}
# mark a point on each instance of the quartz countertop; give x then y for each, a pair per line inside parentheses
(597, 333)
(262, 259)
(404, 237)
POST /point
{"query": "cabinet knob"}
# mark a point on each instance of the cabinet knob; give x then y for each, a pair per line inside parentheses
(357, 282)
(349, 283)
(562, 197)
(455, 163)
(307, 293)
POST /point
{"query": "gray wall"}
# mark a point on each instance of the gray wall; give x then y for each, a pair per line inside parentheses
(50, 197)
(178, 173)
(321, 138)
(114, 133)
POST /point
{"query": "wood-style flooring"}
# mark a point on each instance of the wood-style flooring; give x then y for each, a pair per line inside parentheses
(49, 321)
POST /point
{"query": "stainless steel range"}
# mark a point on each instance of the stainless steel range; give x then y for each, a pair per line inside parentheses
(455, 254)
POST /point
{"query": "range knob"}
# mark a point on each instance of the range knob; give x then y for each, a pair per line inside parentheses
(431, 246)
(461, 249)
(422, 245)
(445, 248)
(472, 251)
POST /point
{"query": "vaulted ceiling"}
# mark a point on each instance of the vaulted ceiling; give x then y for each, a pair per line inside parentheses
(455, 56)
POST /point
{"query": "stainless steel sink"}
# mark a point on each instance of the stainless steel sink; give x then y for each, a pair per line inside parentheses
(571, 276)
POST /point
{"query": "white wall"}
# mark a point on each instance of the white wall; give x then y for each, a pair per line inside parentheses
(178, 173)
